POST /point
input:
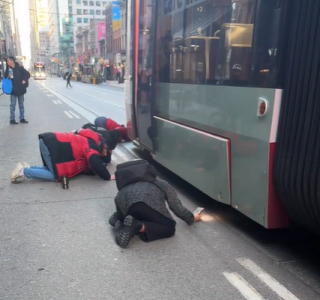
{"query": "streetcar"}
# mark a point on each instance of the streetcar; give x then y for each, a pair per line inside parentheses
(39, 70)
(225, 94)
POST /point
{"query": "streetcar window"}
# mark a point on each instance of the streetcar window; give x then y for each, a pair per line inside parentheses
(216, 42)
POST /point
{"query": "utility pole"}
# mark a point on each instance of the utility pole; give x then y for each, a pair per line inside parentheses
(95, 40)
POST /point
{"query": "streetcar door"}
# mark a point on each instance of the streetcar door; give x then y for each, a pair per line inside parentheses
(144, 70)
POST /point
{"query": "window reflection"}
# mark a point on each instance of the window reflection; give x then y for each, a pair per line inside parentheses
(211, 41)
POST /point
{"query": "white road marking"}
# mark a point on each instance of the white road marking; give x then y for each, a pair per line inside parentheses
(114, 158)
(72, 113)
(123, 155)
(269, 281)
(55, 102)
(70, 116)
(246, 290)
(59, 101)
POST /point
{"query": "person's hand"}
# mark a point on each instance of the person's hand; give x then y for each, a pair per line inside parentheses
(10, 76)
(113, 177)
(197, 217)
(23, 82)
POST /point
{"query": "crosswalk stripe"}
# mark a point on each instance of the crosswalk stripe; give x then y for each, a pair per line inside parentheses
(55, 102)
(268, 280)
(70, 116)
(72, 113)
(122, 154)
(246, 290)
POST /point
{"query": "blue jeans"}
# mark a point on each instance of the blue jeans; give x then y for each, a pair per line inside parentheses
(13, 100)
(42, 173)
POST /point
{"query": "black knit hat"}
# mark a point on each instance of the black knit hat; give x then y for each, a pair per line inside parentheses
(111, 138)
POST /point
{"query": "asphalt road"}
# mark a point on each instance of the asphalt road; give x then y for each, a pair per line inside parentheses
(57, 244)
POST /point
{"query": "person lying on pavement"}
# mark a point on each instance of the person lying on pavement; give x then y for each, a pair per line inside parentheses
(67, 154)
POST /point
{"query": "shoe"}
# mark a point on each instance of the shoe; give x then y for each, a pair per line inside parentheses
(13, 122)
(25, 165)
(24, 121)
(128, 229)
(17, 175)
(113, 219)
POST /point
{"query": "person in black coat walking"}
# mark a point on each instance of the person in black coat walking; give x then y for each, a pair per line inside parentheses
(19, 76)
(68, 79)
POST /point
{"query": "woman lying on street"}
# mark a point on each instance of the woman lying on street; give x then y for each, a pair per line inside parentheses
(67, 154)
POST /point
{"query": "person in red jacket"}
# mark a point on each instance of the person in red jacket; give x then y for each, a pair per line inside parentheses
(109, 124)
(67, 154)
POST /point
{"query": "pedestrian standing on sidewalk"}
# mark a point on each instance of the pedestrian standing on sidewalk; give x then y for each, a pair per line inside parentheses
(19, 76)
(67, 154)
(68, 79)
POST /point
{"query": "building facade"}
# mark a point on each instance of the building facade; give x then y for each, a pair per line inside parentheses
(9, 34)
(39, 34)
(109, 34)
(84, 11)
(42, 14)
(53, 28)
(44, 40)
(61, 31)
(34, 32)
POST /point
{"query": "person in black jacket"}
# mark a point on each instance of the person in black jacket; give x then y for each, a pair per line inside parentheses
(19, 76)
(68, 79)
(141, 209)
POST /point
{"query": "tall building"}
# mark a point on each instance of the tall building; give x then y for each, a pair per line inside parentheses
(42, 14)
(123, 27)
(61, 30)
(34, 32)
(109, 34)
(44, 40)
(9, 34)
(84, 11)
(16, 38)
(53, 27)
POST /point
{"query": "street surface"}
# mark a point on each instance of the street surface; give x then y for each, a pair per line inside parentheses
(57, 244)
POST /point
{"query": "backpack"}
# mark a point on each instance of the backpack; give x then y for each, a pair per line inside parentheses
(7, 86)
(111, 137)
(134, 171)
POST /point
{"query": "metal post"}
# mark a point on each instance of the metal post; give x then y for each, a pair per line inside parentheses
(95, 38)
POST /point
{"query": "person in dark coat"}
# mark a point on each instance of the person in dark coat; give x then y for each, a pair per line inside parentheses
(68, 79)
(141, 209)
(67, 154)
(19, 76)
